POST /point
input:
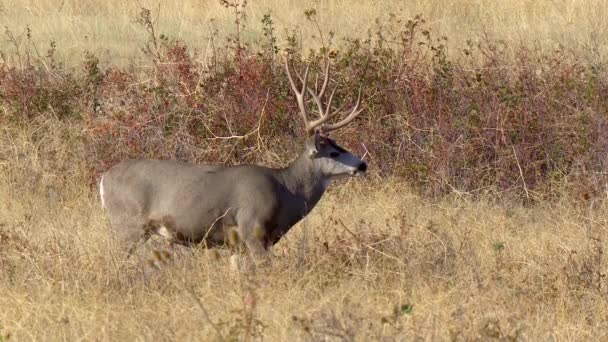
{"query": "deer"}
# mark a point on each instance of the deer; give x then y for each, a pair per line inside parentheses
(215, 205)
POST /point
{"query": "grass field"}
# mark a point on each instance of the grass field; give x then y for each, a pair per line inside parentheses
(108, 28)
(483, 218)
(372, 262)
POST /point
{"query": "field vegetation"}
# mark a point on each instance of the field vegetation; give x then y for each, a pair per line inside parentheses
(107, 28)
(483, 218)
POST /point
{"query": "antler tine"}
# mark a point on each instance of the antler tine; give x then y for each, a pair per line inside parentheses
(326, 80)
(325, 112)
(323, 87)
(300, 94)
(353, 114)
(319, 96)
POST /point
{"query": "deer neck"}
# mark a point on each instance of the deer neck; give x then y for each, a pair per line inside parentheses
(305, 180)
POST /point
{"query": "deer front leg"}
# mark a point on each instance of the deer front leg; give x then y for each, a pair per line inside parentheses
(258, 255)
(253, 236)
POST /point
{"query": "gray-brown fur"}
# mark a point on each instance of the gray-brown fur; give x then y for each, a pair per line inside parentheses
(216, 205)
(200, 204)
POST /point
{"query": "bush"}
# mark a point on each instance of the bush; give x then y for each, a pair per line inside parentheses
(474, 121)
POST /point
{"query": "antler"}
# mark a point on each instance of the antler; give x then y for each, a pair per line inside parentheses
(324, 113)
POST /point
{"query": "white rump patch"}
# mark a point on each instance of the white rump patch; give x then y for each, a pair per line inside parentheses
(102, 193)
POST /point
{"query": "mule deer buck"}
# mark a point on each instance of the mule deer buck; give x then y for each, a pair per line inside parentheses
(214, 205)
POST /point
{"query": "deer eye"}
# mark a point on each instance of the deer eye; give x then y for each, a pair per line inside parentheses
(334, 154)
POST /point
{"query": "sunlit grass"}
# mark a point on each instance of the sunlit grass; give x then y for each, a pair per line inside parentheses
(375, 259)
(372, 260)
(108, 28)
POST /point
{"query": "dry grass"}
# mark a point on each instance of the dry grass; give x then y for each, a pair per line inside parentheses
(108, 28)
(372, 261)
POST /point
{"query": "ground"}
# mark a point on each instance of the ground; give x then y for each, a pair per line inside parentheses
(372, 261)
(379, 258)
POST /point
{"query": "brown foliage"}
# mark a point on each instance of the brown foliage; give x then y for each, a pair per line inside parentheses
(479, 123)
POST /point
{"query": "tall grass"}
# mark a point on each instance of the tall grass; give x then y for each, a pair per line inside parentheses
(107, 28)
(483, 217)
(373, 261)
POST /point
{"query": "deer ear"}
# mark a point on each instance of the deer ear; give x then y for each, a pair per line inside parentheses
(311, 145)
(320, 140)
(316, 144)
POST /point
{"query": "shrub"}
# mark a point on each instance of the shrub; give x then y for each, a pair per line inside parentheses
(473, 122)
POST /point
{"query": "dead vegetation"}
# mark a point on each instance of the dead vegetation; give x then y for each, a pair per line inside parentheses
(484, 217)
(391, 265)
(373, 261)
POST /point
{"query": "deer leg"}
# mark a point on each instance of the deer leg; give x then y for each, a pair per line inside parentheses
(131, 235)
(135, 243)
(252, 235)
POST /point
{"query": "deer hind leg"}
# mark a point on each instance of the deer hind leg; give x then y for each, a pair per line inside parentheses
(130, 234)
(134, 243)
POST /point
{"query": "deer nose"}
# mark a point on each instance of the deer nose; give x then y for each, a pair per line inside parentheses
(362, 167)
